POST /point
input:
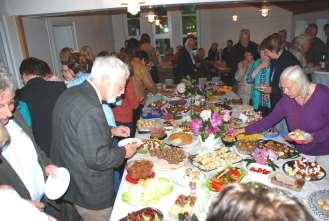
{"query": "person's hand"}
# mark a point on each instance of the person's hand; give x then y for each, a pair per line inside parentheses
(40, 206)
(265, 89)
(120, 131)
(264, 64)
(50, 170)
(130, 149)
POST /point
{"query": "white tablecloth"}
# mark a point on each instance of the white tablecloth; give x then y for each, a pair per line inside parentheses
(321, 77)
(121, 209)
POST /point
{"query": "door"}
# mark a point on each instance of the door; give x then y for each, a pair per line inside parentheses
(62, 35)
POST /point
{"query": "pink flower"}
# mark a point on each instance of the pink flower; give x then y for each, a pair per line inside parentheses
(196, 125)
(208, 130)
(226, 117)
(216, 120)
(227, 112)
(201, 85)
(215, 130)
(272, 155)
(230, 130)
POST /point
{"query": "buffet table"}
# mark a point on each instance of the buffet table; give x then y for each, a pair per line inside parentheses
(321, 77)
(203, 195)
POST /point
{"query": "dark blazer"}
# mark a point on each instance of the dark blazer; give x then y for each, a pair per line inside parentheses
(8, 176)
(81, 142)
(185, 65)
(237, 54)
(285, 60)
(40, 96)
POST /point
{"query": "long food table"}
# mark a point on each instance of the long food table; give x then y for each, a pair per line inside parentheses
(203, 195)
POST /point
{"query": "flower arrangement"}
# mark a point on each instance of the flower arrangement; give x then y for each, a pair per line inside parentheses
(213, 122)
(194, 87)
(263, 156)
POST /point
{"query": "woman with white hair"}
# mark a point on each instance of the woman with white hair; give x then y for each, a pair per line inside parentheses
(305, 106)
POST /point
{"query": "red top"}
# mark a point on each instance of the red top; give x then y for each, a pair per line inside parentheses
(124, 113)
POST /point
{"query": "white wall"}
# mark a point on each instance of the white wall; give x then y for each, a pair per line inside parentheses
(14, 55)
(320, 18)
(92, 30)
(37, 39)
(216, 25)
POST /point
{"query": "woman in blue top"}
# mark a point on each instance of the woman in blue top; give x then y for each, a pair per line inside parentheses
(259, 74)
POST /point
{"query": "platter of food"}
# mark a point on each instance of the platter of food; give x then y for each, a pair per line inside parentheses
(318, 202)
(299, 137)
(151, 112)
(283, 150)
(288, 182)
(182, 138)
(139, 170)
(183, 177)
(170, 157)
(248, 137)
(147, 193)
(149, 144)
(183, 205)
(218, 159)
(224, 177)
(228, 140)
(304, 169)
(148, 213)
(245, 147)
(145, 125)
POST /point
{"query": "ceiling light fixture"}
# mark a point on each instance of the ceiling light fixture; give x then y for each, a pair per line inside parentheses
(264, 11)
(235, 17)
(150, 16)
(133, 6)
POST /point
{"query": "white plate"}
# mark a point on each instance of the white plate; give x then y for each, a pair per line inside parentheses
(56, 186)
(131, 140)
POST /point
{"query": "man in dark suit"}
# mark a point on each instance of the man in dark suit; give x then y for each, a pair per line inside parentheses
(237, 54)
(186, 62)
(82, 139)
(23, 165)
(40, 96)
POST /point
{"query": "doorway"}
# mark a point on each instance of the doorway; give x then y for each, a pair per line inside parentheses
(61, 34)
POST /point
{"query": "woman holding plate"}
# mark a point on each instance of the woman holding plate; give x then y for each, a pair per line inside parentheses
(305, 106)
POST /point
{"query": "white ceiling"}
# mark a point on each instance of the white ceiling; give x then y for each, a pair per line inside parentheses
(36, 7)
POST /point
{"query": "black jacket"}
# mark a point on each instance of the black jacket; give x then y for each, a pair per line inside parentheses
(237, 54)
(185, 65)
(285, 60)
(40, 96)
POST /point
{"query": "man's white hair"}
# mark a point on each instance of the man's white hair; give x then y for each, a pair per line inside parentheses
(296, 75)
(110, 66)
(6, 81)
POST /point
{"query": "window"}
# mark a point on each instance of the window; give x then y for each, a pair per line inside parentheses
(162, 31)
(162, 45)
(133, 25)
(189, 20)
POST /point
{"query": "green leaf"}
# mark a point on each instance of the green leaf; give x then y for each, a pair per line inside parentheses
(249, 161)
(181, 217)
(194, 218)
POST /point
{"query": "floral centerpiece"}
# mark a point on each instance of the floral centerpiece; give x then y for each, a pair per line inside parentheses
(194, 87)
(211, 123)
(264, 157)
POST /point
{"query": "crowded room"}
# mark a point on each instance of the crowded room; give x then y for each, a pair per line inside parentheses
(164, 110)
